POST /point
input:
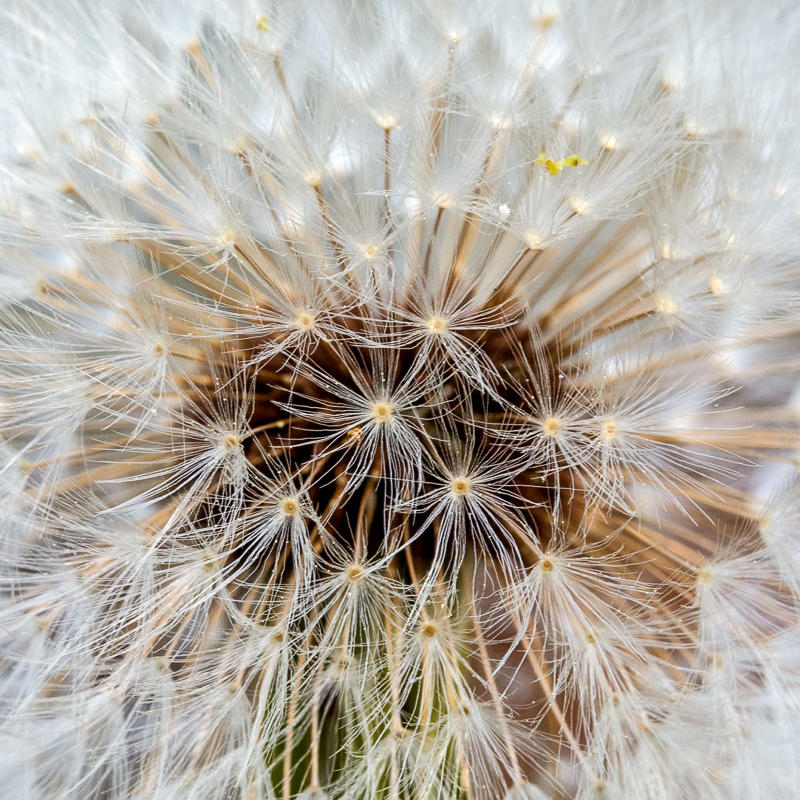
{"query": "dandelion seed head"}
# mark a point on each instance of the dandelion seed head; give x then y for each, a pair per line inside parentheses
(399, 400)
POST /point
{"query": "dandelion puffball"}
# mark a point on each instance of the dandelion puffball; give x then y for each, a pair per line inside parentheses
(399, 400)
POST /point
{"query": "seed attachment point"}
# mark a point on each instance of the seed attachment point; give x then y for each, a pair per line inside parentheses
(305, 321)
(461, 486)
(716, 287)
(666, 306)
(382, 412)
(437, 326)
(428, 629)
(552, 427)
(230, 442)
(609, 430)
(290, 507)
(355, 573)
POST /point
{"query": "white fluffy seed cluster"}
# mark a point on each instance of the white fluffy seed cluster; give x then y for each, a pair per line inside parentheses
(399, 400)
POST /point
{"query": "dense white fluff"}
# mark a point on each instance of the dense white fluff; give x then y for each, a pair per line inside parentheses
(399, 400)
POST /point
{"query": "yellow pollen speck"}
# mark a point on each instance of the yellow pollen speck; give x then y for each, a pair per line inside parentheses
(591, 638)
(382, 412)
(289, 506)
(716, 286)
(547, 565)
(704, 576)
(553, 167)
(437, 326)
(429, 630)
(666, 306)
(608, 430)
(304, 321)
(354, 435)
(262, 23)
(460, 486)
(158, 350)
(552, 427)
